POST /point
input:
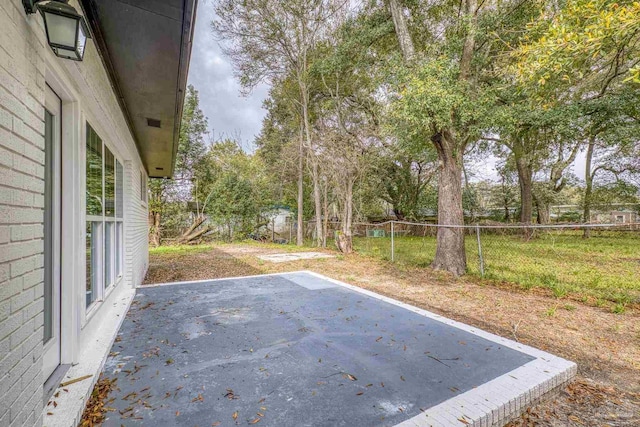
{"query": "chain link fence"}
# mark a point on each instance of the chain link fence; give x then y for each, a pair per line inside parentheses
(597, 262)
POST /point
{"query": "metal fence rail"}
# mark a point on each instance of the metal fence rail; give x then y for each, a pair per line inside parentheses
(600, 261)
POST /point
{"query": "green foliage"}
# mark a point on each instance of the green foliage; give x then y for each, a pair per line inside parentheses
(606, 196)
(581, 44)
(233, 190)
(168, 198)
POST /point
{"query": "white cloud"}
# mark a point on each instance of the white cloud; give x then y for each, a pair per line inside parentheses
(211, 73)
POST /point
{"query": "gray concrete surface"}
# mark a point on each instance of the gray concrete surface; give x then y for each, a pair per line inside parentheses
(288, 350)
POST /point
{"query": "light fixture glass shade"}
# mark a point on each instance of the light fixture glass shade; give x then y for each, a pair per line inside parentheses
(66, 30)
(61, 30)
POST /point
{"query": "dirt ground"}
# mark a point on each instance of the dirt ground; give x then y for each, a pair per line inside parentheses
(605, 345)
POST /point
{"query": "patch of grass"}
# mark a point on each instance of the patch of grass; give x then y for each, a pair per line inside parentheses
(619, 308)
(179, 249)
(558, 290)
(551, 311)
(604, 268)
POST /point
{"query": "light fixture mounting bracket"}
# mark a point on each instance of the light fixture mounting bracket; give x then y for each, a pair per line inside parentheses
(29, 6)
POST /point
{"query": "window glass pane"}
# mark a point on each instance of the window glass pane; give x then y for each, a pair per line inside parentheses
(143, 187)
(94, 230)
(119, 190)
(94, 173)
(109, 183)
(119, 227)
(108, 253)
(48, 226)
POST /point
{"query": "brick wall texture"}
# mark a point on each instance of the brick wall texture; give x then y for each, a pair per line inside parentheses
(22, 93)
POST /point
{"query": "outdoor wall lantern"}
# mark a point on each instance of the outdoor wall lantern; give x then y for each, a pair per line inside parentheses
(66, 29)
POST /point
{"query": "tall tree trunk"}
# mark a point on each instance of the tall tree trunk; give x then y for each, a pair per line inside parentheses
(543, 211)
(525, 179)
(155, 228)
(450, 250)
(345, 237)
(314, 161)
(588, 191)
(402, 30)
(325, 214)
(317, 202)
(507, 213)
(300, 231)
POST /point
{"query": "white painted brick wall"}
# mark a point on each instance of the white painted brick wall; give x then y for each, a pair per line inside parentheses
(136, 227)
(22, 93)
(21, 215)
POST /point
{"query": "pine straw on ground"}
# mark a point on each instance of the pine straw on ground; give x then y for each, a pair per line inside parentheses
(605, 345)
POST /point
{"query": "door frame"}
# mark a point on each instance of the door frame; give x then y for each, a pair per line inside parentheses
(52, 348)
(71, 241)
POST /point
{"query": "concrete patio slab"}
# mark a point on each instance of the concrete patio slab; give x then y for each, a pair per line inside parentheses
(299, 349)
(294, 256)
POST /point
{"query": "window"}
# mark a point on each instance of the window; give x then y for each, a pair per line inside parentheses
(620, 218)
(143, 187)
(104, 209)
(119, 217)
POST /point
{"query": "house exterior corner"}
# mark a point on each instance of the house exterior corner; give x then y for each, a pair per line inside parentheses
(73, 212)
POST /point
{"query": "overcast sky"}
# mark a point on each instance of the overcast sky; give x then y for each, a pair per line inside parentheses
(231, 114)
(211, 73)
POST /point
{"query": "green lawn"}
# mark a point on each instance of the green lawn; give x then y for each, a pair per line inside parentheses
(604, 267)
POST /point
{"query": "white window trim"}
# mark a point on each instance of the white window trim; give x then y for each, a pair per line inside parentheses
(104, 290)
(144, 192)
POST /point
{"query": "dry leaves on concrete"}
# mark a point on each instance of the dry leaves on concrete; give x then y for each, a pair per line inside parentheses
(605, 345)
(97, 407)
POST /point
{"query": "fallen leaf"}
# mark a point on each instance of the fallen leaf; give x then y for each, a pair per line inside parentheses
(257, 420)
(235, 415)
(360, 393)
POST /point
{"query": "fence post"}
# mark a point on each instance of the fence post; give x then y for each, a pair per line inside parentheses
(392, 244)
(480, 251)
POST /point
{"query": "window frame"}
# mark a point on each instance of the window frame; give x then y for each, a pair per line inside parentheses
(144, 187)
(101, 288)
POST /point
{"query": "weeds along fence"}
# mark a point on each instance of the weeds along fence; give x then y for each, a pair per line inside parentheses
(597, 261)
